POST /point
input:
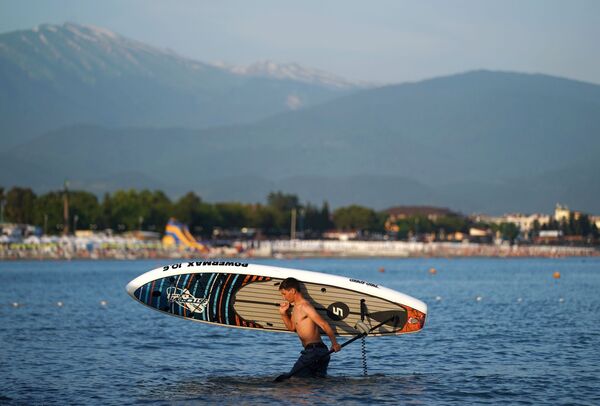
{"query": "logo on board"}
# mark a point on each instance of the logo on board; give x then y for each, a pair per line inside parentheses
(185, 299)
(338, 311)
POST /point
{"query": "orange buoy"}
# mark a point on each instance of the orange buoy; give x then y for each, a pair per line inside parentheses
(556, 275)
(382, 269)
(432, 271)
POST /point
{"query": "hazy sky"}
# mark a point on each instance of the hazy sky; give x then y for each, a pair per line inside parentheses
(379, 41)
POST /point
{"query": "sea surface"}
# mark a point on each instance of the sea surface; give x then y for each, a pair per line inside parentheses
(498, 331)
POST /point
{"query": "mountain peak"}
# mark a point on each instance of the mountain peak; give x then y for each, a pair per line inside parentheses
(59, 38)
(75, 31)
(88, 32)
(291, 71)
(84, 52)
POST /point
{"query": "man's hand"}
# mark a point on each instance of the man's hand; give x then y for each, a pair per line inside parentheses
(335, 346)
(283, 308)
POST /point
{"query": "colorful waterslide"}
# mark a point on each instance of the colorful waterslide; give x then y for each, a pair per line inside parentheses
(177, 234)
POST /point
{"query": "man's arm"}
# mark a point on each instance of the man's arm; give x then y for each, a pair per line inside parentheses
(283, 309)
(320, 321)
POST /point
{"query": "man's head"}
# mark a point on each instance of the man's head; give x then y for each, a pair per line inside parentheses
(288, 289)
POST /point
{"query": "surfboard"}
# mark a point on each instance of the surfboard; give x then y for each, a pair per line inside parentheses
(242, 295)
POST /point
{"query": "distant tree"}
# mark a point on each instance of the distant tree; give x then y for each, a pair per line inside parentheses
(232, 215)
(86, 207)
(156, 210)
(106, 209)
(311, 219)
(583, 225)
(415, 225)
(316, 221)
(508, 231)
(403, 230)
(551, 225)
(123, 209)
(186, 208)
(326, 221)
(379, 224)
(208, 217)
(535, 229)
(570, 230)
(2, 199)
(126, 209)
(20, 205)
(563, 225)
(283, 202)
(266, 218)
(49, 212)
(200, 217)
(355, 218)
(452, 224)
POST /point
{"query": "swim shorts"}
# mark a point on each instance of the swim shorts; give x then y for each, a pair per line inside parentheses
(315, 356)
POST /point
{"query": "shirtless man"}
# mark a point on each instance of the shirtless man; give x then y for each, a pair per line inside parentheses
(305, 321)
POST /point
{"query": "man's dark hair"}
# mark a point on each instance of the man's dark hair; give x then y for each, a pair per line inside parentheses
(290, 283)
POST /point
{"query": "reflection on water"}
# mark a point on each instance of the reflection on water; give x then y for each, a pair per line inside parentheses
(259, 390)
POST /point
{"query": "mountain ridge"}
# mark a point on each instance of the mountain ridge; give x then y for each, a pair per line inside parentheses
(72, 74)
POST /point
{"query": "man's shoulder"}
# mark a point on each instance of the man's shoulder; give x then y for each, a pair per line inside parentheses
(305, 305)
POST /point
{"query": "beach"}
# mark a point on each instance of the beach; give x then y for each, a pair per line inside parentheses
(68, 248)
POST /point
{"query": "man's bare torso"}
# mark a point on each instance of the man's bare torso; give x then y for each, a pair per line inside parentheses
(306, 329)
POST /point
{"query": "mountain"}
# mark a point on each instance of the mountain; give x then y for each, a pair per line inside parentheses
(55, 76)
(479, 141)
(107, 112)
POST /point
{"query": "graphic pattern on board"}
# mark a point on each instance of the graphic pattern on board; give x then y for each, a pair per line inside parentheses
(201, 296)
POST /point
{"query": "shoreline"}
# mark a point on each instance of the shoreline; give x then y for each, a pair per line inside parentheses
(286, 249)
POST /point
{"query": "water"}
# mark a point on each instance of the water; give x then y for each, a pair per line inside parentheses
(529, 339)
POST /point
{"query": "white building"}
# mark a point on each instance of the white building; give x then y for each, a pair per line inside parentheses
(526, 222)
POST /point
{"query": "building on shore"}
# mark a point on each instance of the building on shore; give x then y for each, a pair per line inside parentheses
(562, 213)
(525, 222)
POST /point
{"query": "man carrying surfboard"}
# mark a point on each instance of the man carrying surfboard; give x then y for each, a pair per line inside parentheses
(305, 321)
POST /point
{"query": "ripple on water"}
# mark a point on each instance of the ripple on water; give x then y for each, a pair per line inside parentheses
(263, 390)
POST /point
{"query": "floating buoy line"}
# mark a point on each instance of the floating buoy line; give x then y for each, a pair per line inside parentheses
(59, 303)
(104, 303)
(432, 271)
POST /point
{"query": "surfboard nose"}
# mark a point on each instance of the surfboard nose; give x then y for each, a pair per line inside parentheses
(132, 286)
